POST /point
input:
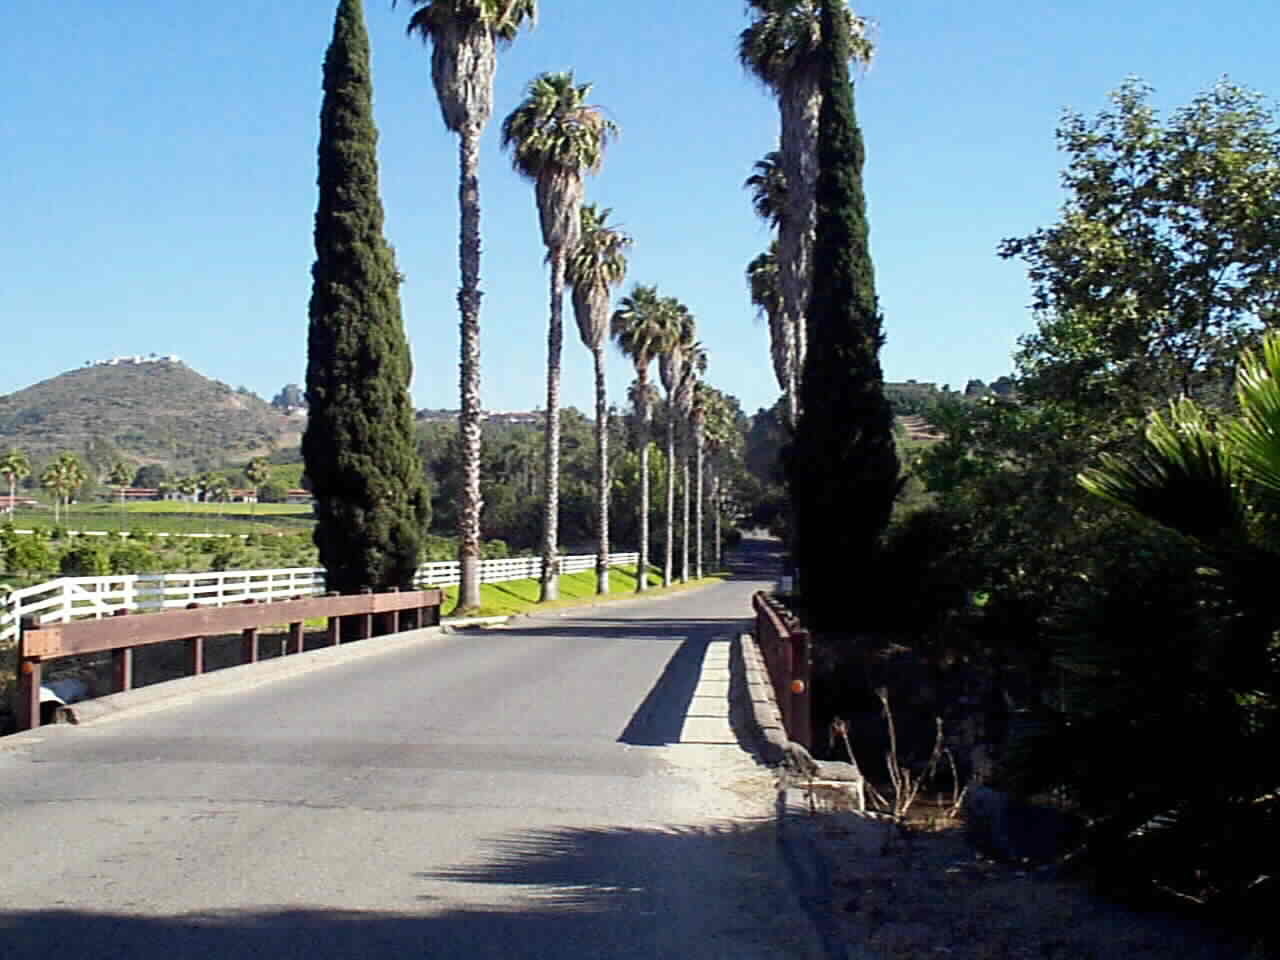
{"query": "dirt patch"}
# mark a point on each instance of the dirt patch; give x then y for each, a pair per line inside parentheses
(923, 892)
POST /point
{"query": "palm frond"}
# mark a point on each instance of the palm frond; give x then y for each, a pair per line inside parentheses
(1183, 477)
(1255, 434)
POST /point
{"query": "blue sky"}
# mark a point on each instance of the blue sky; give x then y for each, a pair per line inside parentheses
(157, 176)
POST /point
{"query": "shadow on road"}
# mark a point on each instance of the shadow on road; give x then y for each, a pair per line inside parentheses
(660, 717)
(607, 893)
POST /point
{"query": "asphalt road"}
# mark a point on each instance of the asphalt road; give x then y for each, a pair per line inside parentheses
(565, 786)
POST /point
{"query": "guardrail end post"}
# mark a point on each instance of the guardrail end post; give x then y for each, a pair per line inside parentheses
(30, 677)
(366, 619)
(121, 669)
(249, 645)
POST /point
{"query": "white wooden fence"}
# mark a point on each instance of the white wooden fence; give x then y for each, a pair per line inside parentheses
(74, 598)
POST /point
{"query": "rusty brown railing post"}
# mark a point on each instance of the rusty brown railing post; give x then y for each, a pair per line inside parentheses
(801, 703)
(366, 619)
(249, 641)
(195, 650)
(391, 619)
(333, 628)
(121, 664)
(30, 677)
(296, 636)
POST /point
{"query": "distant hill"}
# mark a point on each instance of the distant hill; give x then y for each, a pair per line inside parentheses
(149, 412)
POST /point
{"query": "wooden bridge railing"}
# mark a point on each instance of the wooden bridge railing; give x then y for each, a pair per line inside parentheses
(370, 614)
(786, 652)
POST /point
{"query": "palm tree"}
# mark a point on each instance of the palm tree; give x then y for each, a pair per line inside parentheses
(555, 137)
(700, 400)
(14, 466)
(768, 186)
(641, 328)
(781, 48)
(671, 366)
(119, 476)
(720, 433)
(766, 296)
(695, 364)
(74, 477)
(257, 471)
(597, 264)
(464, 36)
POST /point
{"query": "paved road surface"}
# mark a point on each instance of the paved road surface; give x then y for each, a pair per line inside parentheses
(566, 786)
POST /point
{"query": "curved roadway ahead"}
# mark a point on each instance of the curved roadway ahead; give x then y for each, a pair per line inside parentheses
(565, 786)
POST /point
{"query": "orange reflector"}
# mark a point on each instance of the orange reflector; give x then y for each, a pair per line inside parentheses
(797, 686)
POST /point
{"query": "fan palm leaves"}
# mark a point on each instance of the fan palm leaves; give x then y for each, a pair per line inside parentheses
(464, 36)
(1215, 482)
(642, 327)
(555, 137)
(765, 288)
(768, 186)
(781, 49)
(63, 477)
(14, 466)
(595, 266)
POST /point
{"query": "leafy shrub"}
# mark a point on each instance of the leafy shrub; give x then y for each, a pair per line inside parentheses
(227, 556)
(128, 558)
(84, 559)
(28, 554)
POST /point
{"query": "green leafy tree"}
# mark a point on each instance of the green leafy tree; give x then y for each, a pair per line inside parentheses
(782, 48)
(1214, 480)
(84, 559)
(28, 555)
(598, 264)
(465, 36)
(372, 507)
(843, 468)
(1162, 264)
(14, 466)
(642, 327)
(555, 137)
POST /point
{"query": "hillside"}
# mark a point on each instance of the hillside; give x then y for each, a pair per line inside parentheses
(154, 412)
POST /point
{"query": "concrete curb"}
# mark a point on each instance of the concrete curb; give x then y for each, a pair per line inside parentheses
(226, 681)
(807, 864)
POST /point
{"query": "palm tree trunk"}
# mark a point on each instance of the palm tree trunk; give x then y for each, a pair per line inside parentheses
(697, 521)
(799, 106)
(469, 368)
(551, 453)
(715, 509)
(668, 562)
(642, 566)
(684, 540)
(602, 473)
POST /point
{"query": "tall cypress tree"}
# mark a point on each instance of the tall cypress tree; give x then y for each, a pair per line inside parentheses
(842, 468)
(372, 506)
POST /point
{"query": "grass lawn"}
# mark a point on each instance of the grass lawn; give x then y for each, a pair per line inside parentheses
(576, 589)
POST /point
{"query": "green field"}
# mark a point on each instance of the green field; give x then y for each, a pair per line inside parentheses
(173, 516)
(576, 589)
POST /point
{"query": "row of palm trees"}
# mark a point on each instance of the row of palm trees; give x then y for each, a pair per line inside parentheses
(555, 138)
(780, 49)
(62, 477)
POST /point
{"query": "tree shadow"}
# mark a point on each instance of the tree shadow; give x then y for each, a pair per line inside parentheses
(612, 894)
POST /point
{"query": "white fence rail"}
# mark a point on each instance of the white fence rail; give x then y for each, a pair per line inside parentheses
(75, 598)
